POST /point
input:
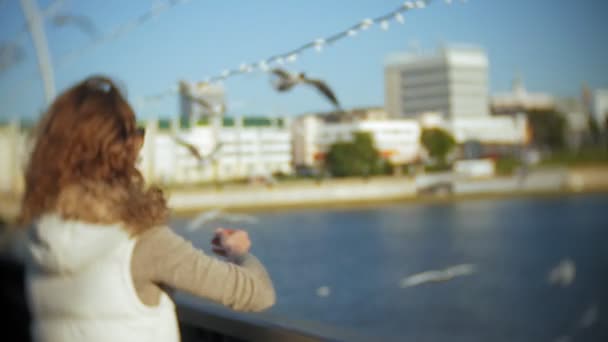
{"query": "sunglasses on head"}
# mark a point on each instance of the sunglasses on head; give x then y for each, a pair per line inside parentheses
(140, 132)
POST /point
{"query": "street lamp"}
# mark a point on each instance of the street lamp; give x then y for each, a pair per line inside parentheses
(35, 25)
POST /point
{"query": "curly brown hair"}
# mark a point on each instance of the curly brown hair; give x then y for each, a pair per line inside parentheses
(83, 163)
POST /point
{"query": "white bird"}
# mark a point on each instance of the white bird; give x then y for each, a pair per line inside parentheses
(564, 338)
(589, 317)
(10, 54)
(82, 22)
(323, 291)
(284, 81)
(435, 276)
(194, 151)
(202, 218)
(563, 274)
(239, 218)
(218, 214)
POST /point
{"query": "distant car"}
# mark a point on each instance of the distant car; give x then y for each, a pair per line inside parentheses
(307, 172)
(440, 189)
(262, 179)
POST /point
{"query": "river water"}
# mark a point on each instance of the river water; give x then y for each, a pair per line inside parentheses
(344, 267)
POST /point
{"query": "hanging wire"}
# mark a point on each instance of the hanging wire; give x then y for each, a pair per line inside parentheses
(318, 44)
(120, 30)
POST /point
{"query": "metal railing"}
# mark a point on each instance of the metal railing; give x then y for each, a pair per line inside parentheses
(198, 321)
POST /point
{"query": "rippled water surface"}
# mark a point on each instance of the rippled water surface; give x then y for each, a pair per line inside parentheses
(343, 267)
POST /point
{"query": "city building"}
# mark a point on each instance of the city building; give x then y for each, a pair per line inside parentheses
(197, 100)
(519, 100)
(13, 147)
(397, 139)
(577, 119)
(600, 107)
(488, 130)
(453, 82)
(241, 148)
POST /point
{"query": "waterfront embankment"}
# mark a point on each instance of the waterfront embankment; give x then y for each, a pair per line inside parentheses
(357, 191)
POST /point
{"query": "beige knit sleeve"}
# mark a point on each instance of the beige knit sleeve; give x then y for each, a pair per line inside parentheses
(163, 257)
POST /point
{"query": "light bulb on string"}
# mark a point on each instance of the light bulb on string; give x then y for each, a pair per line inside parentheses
(280, 61)
(157, 9)
(399, 18)
(225, 73)
(351, 32)
(384, 25)
(263, 65)
(319, 43)
(292, 58)
(420, 4)
(408, 4)
(366, 23)
(243, 67)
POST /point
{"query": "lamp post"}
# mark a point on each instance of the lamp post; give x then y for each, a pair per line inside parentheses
(35, 25)
(217, 122)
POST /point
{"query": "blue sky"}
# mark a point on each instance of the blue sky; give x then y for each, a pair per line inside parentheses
(555, 44)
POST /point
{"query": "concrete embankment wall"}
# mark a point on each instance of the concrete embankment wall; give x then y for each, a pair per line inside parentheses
(588, 179)
(356, 191)
(302, 194)
(537, 181)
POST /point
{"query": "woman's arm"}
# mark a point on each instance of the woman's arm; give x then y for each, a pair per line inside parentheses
(165, 258)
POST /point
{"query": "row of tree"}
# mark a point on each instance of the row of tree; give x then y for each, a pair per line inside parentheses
(359, 157)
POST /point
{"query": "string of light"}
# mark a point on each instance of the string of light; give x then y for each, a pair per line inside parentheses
(291, 56)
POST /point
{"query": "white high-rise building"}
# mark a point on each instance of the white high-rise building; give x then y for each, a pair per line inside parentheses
(453, 82)
(192, 95)
(600, 107)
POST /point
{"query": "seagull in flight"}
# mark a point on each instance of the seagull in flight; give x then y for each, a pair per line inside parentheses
(436, 276)
(284, 81)
(218, 214)
(10, 54)
(83, 23)
(563, 274)
(194, 151)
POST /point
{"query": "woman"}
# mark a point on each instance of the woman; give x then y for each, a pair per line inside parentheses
(100, 252)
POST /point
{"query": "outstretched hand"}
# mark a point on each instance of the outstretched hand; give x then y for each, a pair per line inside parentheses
(230, 242)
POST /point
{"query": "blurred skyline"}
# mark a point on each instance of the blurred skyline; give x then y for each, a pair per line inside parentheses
(555, 46)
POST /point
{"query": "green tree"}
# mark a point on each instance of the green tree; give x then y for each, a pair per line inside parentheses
(548, 129)
(438, 143)
(356, 158)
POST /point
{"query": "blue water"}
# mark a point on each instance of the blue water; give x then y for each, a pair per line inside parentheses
(362, 254)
